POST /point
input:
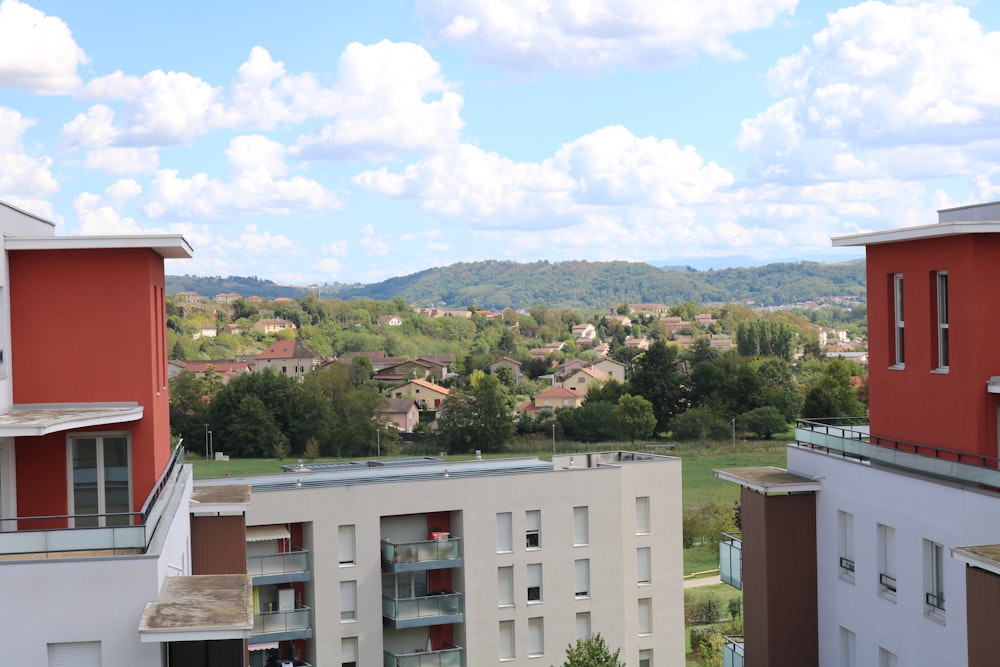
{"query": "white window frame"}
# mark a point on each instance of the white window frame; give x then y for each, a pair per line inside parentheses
(533, 529)
(74, 654)
(101, 480)
(581, 526)
(643, 524)
(534, 592)
(644, 618)
(347, 545)
(934, 598)
(646, 657)
(348, 651)
(581, 578)
(505, 533)
(899, 347)
(887, 658)
(507, 643)
(848, 648)
(644, 565)
(583, 630)
(845, 546)
(536, 637)
(886, 547)
(943, 334)
(505, 586)
(348, 601)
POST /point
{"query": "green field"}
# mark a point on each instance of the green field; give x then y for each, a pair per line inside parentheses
(700, 486)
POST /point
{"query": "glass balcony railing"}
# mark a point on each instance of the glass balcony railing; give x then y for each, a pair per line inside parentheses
(856, 441)
(731, 559)
(411, 555)
(450, 656)
(279, 622)
(281, 563)
(428, 610)
(732, 651)
(129, 531)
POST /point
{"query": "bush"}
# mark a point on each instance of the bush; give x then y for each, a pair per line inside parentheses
(699, 424)
(764, 422)
(702, 609)
(700, 636)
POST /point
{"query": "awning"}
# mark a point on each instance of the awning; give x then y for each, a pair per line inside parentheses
(263, 647)
(198, 608)
(264, 533)
(34, 419)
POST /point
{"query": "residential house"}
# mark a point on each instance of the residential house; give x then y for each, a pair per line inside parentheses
(289, 357)
(404, 413)
(584, 334)
(390, 321)
(614, 369)
(101, 558)
(231, 297)
(557, 397)
(426, 393)
(273, 325)
(582, 378)
(618, 321)
(205, 331)
(506, 362)
(889, 526)
(637, 343)
(602, 349)
(705, 320)
(674, 323)
(188, 297)
(227, 370)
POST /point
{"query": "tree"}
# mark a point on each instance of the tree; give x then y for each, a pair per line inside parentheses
(593, 652)
(477, 419)
(657, 379)
(634, 416)
(764, 421)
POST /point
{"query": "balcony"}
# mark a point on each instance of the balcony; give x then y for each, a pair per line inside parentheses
(731, 559)
(732, 651)
(435, 609)
(855, 441)
(275, 626)
(421, 555)
(121, 533)
(450, 656)
(279, 568)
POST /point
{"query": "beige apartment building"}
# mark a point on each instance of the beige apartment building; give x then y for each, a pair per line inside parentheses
(474, 563)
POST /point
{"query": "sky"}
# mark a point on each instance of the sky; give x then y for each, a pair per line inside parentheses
(318, 142)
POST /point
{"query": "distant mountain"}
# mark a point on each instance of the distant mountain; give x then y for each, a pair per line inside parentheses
(587, 286)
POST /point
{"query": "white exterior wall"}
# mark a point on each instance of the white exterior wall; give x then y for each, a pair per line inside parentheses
(608, 492)
(90, 599)
(917, 509)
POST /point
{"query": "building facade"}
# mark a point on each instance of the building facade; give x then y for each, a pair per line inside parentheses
(479, 562)
(878, 544)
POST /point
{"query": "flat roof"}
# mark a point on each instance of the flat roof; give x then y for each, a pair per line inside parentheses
(768, 480)
(34, 419)
(200, 607)
(986, 557)
(228, 498)
(169, 246)
(973, 219)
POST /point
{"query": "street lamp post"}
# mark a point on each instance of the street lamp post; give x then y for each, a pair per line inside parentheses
(206, 442)
(734, 431)
(553, 438)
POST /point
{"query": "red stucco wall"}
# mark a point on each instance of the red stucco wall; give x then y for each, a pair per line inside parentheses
(88, 326)
(950, 410)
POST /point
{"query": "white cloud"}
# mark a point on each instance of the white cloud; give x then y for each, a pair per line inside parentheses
(258, 242)
(24, 179)
(372, 243)
(256, 187)
(607, 168)
(388, 97)
(328, 266)
(37, 52)
(337, 248)
(123, 161)
(531, 35)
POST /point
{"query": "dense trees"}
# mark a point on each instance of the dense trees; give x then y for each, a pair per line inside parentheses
(479, 418)
(657, 377)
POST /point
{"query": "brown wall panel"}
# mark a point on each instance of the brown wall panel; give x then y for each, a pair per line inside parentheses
(218, 545)
(982, 603)
(779, 579)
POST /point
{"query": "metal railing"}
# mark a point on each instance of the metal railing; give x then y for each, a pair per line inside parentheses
(732, 651)
(271, 622)
(421, 550)
(853, 440)
(279, 563)
(450, 656)
(84, 532)
(731, 559)
(441, 604)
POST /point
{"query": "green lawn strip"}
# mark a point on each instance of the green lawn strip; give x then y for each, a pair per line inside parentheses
(701, 558)
(700, 486)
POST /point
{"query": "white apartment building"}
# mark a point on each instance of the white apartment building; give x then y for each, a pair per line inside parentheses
(475, 563)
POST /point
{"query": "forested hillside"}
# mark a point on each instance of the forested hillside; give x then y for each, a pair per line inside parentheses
(589, 286)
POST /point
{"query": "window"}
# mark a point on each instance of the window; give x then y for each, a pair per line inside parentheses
(886, 544)
(507, 640)
(642, 515)
(533, 529)
(505, 586)
(933, 579)
(646, 658)
(645, 620)
(100, 480)
(581, 526)
(845, 545)
(643, 556)
(886, 658)
(535, 582)
(583, 625)
(505, 533)
(848, 648)
(348, 600)
(899, 347)
(582, 576)
(942, 320)
(349, 652)
(536, 637)
(75, 654)
(345, 536)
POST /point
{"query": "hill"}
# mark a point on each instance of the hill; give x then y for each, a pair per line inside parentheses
(588, 286)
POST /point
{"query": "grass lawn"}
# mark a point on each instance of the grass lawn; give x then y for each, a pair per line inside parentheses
(701, 558)
(700, 486)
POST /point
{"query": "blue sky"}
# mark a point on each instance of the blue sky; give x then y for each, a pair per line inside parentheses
(319, 142)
